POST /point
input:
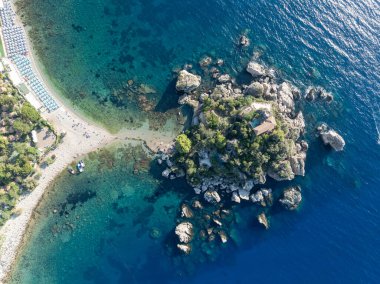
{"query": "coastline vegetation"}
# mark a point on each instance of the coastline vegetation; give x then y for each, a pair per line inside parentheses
(19, 155)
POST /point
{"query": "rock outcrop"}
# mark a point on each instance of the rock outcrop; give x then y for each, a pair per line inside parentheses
(244, 41)
(187, 82)
(313, 93)
(212, 196)
(255, 69)
(184, 231)
(186, 211)
(256, 89)
(262, 218)
(285, 98)
(224, 78)
(185, 248)
(235, 197)
(331, 137)
(297, 161)
(291, 198)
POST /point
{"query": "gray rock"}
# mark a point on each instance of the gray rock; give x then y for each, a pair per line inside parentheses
(332, 138)
(223, 236)
(255, 69)
(219, 62)
(257, 197)
(197, 204)
(263, 220)
(187, 82)
(291, 198)
(282, 172)
(224, 78)
(235, 197)
(184, 248)
(212, 196)
(186, 212)
(297, 162)
(296, 125)
(188, 100)
(285, 98)
(256, 89)
(244, 41)
(166, 172)
(184, 231)
(310, 94)
(206, 61)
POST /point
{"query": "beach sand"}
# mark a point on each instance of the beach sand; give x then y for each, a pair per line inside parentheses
(82, 137)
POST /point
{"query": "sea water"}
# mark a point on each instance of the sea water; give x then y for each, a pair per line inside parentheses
(101, 231)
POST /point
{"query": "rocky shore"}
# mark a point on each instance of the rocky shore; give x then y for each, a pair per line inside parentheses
(263, 117)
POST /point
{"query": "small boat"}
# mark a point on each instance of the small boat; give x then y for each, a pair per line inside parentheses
(82, 164)
(80, 167)
(71, 170)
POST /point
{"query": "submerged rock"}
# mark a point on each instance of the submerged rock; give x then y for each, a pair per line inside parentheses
(155, 233)
(244, 41)
(291, 198)
(184, 248)
(223, 236)
(187, 82)
(313, 93)
(184, 231)
(263, 220)
(310, 94)
(206, 61)
(197, 204)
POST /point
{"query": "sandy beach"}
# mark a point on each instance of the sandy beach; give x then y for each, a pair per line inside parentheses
(82, 137)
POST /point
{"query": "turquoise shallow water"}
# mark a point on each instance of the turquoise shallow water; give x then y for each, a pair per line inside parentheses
(332, 238)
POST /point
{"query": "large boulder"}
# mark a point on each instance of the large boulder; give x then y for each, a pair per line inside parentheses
(255, 69)
(186, 211)
(256, 89)
(291, 198)
(235, 197)
(184, 231)
(187, 82)
(224, 78)
(332, 138)
(212, 196)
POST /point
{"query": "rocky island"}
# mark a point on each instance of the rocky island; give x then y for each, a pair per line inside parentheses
(239, 137)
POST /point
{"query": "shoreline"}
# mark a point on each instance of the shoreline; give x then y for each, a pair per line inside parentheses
(82, 137)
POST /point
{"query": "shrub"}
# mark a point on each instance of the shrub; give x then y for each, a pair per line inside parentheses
(22, 127)
(183, 144)
(29, 113)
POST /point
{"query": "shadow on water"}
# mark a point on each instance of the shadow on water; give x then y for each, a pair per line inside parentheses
(169, 98)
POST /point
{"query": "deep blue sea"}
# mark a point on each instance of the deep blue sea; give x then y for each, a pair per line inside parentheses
(100, 231)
